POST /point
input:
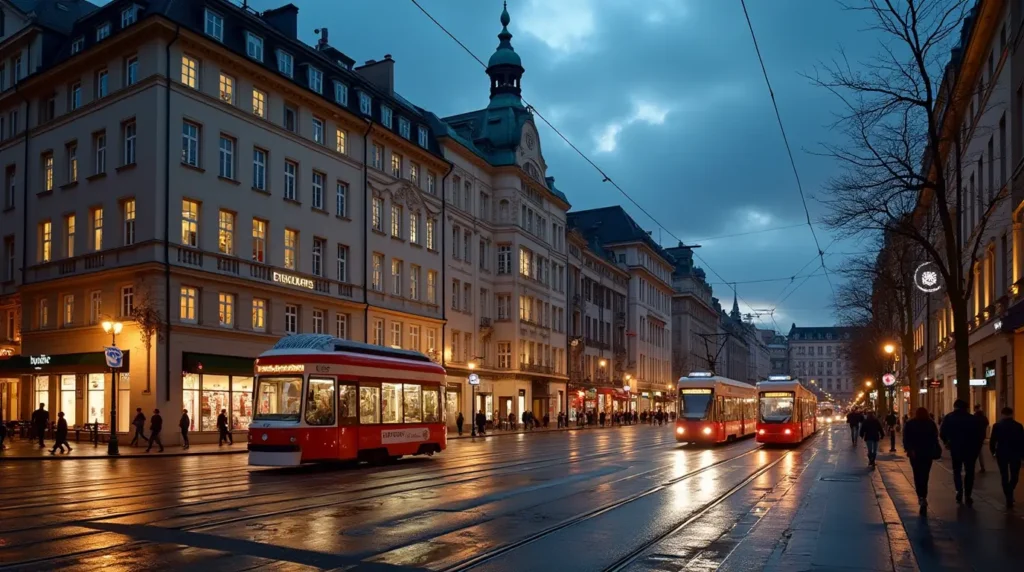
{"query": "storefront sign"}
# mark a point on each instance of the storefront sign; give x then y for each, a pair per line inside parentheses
(292, 280)
(114, 357)
(39, 360)
(934, 383)
(889, 379)
(281, 368)
(990, 372)
(392, 436)
(6, 353)
(474, 379)
(978, 383)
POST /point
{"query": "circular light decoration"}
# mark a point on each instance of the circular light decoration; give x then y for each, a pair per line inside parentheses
(927, 278)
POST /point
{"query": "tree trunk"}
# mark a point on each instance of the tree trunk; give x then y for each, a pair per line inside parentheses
(912, 383)
(961, 347)
(149, 351)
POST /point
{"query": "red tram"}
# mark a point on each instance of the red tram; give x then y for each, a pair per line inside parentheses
(714, 409)
(786, 411)
(320, 398)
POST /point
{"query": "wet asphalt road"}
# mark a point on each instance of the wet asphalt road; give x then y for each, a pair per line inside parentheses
(614, 499)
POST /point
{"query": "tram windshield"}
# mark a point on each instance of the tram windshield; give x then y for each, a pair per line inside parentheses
(695, 403)
(279, 398)
(776, 407)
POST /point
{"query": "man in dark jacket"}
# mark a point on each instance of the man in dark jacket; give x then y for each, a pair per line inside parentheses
(854, 419)
(871, 430)
(139, 423)
(40, 421)
(222, 427)
(1007, 446)
(891, 423)
(60, 437)
(156, 424)
(979, 415)
(184, 423)
(961, 434)
(481, 422)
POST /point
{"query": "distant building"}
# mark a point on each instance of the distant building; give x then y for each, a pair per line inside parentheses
(819, 356)
(695, 339)
(778, 353)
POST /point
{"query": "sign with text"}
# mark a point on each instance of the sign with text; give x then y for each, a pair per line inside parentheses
(292, 280)
(393, 436)
(39, 360)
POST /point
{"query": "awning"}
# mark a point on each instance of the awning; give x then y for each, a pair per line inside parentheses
(216, 364)
(88, 362)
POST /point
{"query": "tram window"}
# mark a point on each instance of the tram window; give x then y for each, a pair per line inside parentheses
(431, 405)
(279, 398)
(369, 404)
(320, 402)
(391, 402)
(412, 395)
(348, 402)
(442, 409)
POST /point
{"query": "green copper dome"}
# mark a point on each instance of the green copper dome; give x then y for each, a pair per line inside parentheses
(505, 54)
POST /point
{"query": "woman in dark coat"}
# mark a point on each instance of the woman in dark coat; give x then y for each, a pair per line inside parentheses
(921, 441)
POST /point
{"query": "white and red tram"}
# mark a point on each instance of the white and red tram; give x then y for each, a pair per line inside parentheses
(786, 411)
(714, 409)
(320, 398)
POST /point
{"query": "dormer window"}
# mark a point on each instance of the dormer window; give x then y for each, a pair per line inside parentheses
(365, 103)
(77, 45)
(315, 78)
(423, 137)
(284, 62)
(128, 16)
(340, 93)
(254, 46)
(102, 31)
(214, 25)
(404, 129)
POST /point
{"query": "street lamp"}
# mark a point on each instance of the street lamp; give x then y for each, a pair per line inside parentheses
(113, 328)
(889, 348)
(867, 382)
(472, 413)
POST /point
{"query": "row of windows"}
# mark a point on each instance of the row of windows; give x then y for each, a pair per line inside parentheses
(69, 309)
(403, 228)
(69, 242)
(398, 279)
(71, 170)
(329, 402)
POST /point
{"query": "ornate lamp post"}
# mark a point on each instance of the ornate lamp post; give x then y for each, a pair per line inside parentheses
(113, 328)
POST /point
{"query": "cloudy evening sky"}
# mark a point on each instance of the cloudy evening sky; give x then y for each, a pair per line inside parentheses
(666, 96)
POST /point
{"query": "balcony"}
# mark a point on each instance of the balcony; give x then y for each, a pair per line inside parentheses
(94, 261)
(190, 256)
(486, 328)
(536, 368)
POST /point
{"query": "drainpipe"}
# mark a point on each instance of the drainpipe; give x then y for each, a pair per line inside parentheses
(444, 265)
(367, 213)
(167, 219)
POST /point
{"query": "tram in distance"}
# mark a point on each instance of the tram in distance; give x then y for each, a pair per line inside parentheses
(714, 409)
(786, 411)
(320, 398)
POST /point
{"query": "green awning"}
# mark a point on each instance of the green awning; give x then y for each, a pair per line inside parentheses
(217, 364)
(57, 362)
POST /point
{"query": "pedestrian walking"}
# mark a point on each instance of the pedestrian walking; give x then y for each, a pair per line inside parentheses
(921, 442)
(892, 423)
(3, 435)
(854, 419)
(871, 430)
(184, 423)
(979, 415)
(458, 423)
(222, 427)
(40, 421)
(481, 422)
(156, 425)
(1007, 446)
(600, 419)
(60, 436)
(139, 423)
(961, 433)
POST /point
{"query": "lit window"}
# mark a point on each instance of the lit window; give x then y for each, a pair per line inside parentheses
(226, 232)
(414, 282)
(414, 227)
(284, 63)
(432, 286)
(396, 221)
(342, 141)
(69, 234)
(259, 103)
(431, 234)
(378, 157)
(414, 173)
(214, 25)
(226, 310)
(259, 315)
(291, 242)
(259, 240)
(97, 229)
(190, 144)
(396, 277)
(189, 300)
(190, 223)
(129, 221)
(378, 214)
(227, 89)
(47, 171)
(396, 165)
(254, 46)
(190, 71)
(378, 272)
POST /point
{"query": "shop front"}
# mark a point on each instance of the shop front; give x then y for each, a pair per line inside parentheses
(214, 383)
(78, 385)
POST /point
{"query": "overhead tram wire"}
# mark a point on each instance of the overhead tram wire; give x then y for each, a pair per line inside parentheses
(789, 150)
(605, 177)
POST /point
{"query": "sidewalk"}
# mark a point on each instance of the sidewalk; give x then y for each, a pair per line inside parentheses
(25, 450)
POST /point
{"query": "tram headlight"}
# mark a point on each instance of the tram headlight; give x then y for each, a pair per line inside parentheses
(292, 439)
(787, 432)
(760, 431)
(680, 430)
(707, 430)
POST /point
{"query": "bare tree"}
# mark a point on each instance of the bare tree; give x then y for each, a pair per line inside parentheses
(902, 159)
(146, 315)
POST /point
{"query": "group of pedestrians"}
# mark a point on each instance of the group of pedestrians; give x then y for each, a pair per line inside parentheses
(961, 433)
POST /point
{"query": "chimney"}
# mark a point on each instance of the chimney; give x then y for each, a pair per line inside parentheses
(284, 19)
(322, 43)
(380, 73)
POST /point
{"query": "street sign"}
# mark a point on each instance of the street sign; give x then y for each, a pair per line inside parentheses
(889, 380)
(114, 356)
(474, 379)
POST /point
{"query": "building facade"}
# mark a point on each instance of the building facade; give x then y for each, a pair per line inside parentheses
(695, 339)
(648, 304)
(818, 356)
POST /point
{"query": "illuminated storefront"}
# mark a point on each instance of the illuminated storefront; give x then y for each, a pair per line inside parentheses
(211, 383)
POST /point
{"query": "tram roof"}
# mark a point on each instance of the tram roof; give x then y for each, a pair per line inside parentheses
(782, 385)
(714, 379)
(305, 344)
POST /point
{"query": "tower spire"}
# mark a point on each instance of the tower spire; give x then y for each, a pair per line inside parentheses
(505, 68)
(735, 313)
